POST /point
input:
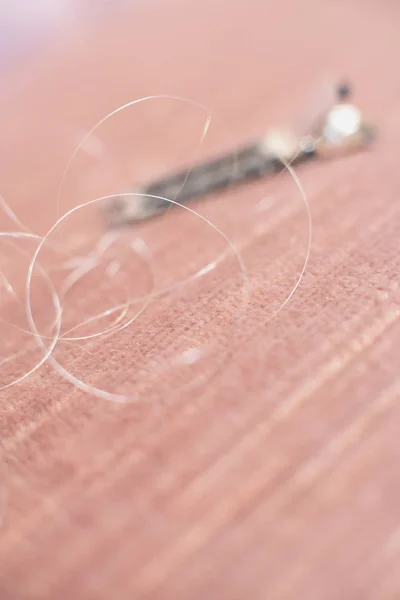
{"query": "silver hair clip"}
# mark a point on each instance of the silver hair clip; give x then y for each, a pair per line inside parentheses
(339, 130)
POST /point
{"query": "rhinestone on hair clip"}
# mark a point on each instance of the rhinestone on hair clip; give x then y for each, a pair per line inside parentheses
(339, 130)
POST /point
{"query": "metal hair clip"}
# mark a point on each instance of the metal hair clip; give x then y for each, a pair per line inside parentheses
(338, 131)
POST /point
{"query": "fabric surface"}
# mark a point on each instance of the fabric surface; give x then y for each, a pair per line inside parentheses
(264, 463)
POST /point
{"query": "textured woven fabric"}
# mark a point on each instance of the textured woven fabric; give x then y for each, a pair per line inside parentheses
(269, 467)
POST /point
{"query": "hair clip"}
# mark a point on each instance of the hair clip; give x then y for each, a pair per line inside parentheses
(338, 131)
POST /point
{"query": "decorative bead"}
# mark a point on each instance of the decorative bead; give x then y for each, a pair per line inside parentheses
(342, 121)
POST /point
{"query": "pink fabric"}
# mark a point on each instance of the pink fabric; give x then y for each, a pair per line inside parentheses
(269, 467)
